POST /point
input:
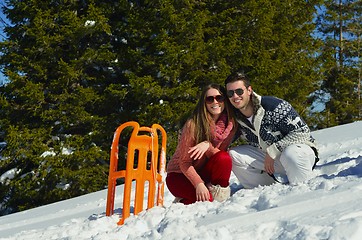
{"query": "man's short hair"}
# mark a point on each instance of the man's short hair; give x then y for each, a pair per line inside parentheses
(238, 76)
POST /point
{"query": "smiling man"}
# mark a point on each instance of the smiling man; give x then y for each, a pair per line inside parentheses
(279, 141)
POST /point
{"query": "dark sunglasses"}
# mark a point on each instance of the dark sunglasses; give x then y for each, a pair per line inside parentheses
(210, 99)
(238, 91)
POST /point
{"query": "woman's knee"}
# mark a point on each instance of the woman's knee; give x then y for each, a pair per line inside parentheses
(221, 157)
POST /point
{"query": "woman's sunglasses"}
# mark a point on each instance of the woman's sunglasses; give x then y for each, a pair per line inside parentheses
(238, 91)
(218, 98)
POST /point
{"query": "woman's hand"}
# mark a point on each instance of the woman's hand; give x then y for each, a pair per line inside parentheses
(202, 193)
(199, 150)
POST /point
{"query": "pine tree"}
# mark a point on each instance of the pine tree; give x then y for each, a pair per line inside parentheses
(167, 61)
(54, 58)
(340, 25)
(281, 49)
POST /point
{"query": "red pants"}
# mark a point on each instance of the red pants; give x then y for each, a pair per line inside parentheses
(216, 171)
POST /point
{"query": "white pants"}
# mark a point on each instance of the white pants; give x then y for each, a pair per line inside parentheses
(295, 162)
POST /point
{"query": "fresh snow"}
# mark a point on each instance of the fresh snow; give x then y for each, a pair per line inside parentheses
(326, 207)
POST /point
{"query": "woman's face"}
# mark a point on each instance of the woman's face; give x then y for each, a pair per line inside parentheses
(214, 102)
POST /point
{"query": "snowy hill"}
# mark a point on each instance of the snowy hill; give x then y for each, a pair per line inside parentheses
(327, 207)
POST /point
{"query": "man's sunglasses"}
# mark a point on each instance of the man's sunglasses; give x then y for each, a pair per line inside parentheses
(210, 99)
(238, 91)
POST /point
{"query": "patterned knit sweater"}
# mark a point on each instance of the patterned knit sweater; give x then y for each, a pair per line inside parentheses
(276, 125)
(181, 161)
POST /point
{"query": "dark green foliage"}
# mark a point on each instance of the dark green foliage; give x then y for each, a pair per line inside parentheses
(56, 60)
(49, 168)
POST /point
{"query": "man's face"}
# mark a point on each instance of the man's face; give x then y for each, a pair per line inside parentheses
(238, 94)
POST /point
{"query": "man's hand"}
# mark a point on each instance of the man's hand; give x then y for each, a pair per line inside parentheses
(199, 150)
(269, 164)
(202, 193)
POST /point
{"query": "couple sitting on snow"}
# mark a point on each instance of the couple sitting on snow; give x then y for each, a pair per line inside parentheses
(278, 143)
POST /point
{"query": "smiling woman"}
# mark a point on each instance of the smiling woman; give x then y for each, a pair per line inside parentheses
(200, 168)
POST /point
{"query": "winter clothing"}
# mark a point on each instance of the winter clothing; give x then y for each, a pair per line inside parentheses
(184, 173)
(275, 127)
(295, 162)
(216, 171)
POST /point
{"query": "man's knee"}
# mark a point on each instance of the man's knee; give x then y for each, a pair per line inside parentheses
(235, 156)
(298, 160)
(297, 155)
(290, 155)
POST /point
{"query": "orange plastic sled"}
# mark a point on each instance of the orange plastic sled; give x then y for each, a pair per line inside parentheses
(147, 165)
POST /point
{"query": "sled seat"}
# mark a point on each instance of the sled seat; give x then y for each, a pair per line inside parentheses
(145, 166)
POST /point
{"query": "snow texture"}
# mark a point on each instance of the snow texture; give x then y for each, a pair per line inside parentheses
(326, 207)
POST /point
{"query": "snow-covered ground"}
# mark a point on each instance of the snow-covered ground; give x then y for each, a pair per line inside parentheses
(327, 207)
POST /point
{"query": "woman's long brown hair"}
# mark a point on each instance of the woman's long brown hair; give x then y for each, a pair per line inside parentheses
(201, 117)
